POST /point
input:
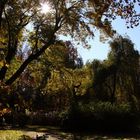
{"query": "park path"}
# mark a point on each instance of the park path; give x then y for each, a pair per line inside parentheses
(54, 133)
(48, 136)
(34, 135)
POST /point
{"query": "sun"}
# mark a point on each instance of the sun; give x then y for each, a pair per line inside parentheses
(45, 8)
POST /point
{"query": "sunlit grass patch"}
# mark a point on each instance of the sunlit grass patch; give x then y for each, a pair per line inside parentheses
(11, 135)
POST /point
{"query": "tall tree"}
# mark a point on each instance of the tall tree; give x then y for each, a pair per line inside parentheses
(69, 17)
(116, 79)
(126, 59)
(15, 16)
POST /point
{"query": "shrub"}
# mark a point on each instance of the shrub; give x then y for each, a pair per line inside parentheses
(19, 118)
(45, 118)
(22, 119)
(101, 115)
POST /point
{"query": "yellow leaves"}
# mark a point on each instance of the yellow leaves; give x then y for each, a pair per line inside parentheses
(7, 65)
(2, 63)
(56, 83)
(4, 111)
(93, 15)
(119, 12)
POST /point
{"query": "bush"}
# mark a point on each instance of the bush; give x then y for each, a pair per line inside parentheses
(114, 116)
(20, 118)
(101, 115)
(43, 118)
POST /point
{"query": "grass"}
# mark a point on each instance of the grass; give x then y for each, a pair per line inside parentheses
(13, 135)
(21, 134)
(10, 134)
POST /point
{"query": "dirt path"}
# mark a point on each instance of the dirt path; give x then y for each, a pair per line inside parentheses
(33, 134)
(48, 136)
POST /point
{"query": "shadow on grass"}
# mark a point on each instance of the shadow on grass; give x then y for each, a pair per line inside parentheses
(58, 133)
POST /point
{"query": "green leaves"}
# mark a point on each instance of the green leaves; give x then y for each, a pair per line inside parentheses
(69, 18)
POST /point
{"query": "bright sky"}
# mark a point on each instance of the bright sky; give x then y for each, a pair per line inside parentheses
(100, 50)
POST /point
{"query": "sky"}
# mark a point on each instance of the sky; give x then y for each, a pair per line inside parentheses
(99, 50)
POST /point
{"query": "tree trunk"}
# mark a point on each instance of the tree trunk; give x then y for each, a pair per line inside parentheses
(2, 5)
(3, 72)
(12, 47)
(26, 62)
(114, 87)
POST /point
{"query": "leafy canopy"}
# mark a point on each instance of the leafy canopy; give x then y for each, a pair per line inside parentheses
(66, 17)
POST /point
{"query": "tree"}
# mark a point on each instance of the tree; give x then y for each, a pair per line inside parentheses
(2, 6)
(67, 17)
(126, 9)
(14, 18)
(32, 85)
(126, 59)
(116, 79)
(101, 85)
(64, 54)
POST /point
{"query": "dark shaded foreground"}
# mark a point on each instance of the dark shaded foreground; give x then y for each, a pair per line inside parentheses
(37, 132)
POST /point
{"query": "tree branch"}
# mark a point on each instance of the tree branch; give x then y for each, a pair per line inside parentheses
(27, 61)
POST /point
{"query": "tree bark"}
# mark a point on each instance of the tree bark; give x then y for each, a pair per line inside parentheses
(12, 47)
(3, 72)
(2, 5)
(114, 87)
(26, 62)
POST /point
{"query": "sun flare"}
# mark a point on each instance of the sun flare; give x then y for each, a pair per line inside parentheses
(45, 8)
